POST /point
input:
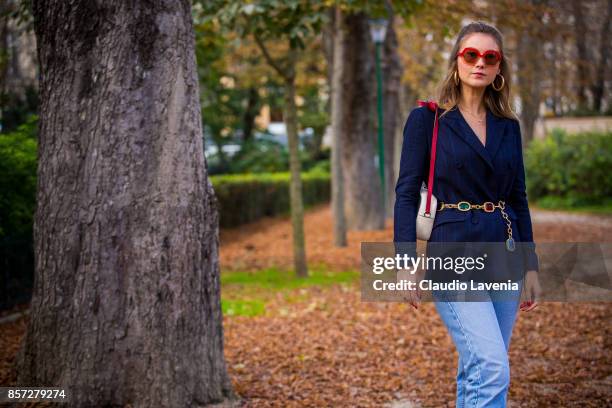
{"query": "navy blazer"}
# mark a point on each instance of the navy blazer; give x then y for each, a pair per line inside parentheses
(465, 170)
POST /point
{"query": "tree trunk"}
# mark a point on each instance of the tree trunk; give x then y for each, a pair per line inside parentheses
(599, 84)
(392, 75)
(315, 146)
(336, 118)
(297, 206)
(530, 51)
(18, 69)
(530, 89)
(126, 304)
(555, 90)
(405, 106)
(580, 36)
(17, 54)
(250, 113)
(361, 179)
(287, 72)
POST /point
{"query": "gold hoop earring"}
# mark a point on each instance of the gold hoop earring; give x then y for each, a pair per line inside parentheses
(456, 78)
(502, 84)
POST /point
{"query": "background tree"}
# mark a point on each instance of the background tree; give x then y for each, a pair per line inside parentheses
(591, 23)
(602, 67)
(230, 81)
(338, 68)
(392, 74)
(362, 183)
(292, 23)
(126, 306)
(582, 48)
(364, 209)
(533, 30)
(18, 66)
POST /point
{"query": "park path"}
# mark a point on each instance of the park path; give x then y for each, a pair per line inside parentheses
(603, 221)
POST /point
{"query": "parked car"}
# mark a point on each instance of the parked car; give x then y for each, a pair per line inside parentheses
(277, 131)
(229, 149)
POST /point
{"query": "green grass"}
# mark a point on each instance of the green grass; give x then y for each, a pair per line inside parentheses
(242, 307)
(566, 204)
(246, 293)
(274, 278)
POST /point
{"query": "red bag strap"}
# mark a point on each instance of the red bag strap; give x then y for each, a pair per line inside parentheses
(433, 106)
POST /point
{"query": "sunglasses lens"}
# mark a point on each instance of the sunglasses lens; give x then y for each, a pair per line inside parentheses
(470, 56)
(491, 58)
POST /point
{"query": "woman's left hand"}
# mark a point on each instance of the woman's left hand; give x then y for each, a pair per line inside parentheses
(532, 291)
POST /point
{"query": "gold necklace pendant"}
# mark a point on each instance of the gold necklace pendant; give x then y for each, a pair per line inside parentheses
(510, 244)
(478, 119)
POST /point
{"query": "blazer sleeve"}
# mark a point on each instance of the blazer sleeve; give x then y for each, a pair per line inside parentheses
(518, 201)
(413, 167)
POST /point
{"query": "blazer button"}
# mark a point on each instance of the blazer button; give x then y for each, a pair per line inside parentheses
(458, 164)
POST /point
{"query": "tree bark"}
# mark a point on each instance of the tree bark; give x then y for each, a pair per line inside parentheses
(126, 304)
(363, 198)
(336, 118)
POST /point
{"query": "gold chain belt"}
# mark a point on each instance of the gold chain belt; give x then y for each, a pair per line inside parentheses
(487, 206)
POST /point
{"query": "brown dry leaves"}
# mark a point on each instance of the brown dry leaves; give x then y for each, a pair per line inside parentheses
(334, 350)
(329, 349)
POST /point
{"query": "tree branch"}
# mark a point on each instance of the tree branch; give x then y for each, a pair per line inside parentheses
(282, 72)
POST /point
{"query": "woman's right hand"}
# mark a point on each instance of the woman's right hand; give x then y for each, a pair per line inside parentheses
(413, 297)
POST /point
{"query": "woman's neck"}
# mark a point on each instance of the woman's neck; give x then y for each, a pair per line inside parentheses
(471, 99)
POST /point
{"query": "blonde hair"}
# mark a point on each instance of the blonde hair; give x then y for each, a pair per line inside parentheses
(498, 102)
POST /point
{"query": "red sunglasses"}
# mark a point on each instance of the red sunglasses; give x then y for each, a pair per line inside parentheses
(470, 55)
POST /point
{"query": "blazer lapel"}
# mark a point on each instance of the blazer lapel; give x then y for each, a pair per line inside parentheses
(495, 133)
(496, 127)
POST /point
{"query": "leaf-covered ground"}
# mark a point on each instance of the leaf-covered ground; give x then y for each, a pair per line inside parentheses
(297, 343)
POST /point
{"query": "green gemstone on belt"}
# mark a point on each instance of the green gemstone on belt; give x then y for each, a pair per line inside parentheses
(463, 206)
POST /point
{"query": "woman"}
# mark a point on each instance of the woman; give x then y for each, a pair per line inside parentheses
(478, 160)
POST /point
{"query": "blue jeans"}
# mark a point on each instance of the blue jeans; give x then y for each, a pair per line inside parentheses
(481, 331)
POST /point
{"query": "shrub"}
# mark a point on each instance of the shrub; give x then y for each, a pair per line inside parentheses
(575, 167)
(18, 180)
(17, 205)
(244, 198)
